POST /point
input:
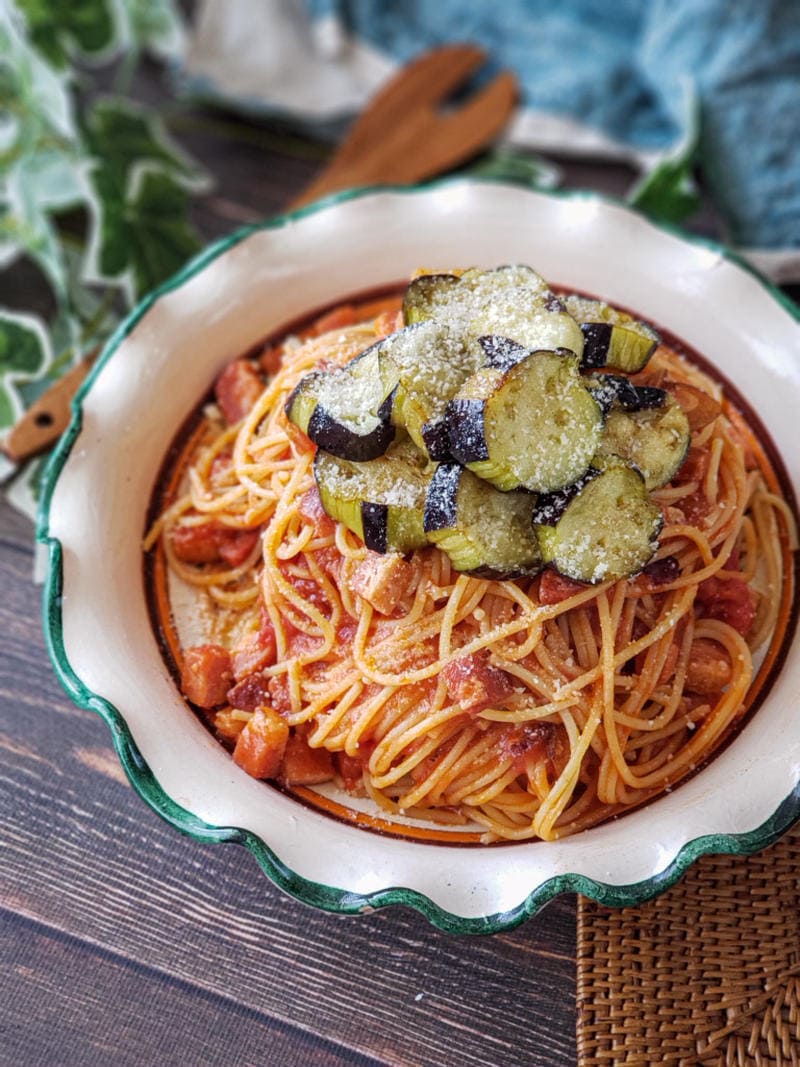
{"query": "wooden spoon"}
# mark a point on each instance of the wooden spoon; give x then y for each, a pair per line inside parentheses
(405, 134)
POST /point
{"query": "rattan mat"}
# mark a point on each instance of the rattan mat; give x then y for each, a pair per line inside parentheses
(707, 974)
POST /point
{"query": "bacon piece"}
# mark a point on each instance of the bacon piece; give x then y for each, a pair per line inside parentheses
(229, 724)
(261, 744)
(196, 544)
(206, 675)
(279, 694)
(709, 669)
(250, 693)
(730, 600)
(236, 545)
(529, 743)
(210, 543)
(254, 652)
(475, 684)
(554, 587)
(351, 771)
(382, 581)
(303, 765)
(336, 319)
(270, 359)
(237, 389)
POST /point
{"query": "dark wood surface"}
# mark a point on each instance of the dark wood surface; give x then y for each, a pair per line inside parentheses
(125, 943)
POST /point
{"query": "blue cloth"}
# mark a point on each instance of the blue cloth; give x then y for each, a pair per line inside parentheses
(633, 69)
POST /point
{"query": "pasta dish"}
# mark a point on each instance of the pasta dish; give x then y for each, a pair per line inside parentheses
(487, 555)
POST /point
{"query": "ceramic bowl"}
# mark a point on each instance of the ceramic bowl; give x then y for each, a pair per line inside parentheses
(161, 362)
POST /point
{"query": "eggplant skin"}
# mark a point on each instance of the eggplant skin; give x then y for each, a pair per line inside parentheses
(502, 352)
(550, 507)
(596, 342)
(436, 438)
(467, 438)
(333, 436)
(375, 519)
(440, 501)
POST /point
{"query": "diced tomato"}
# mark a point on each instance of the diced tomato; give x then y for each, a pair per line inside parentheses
(237, 389)
(196, 544)
(351, 771)
(695, 508)
(699, 407)
(279, 694)
(303, 765)
(310, 507)
(236, 545)
(308, 588)
(382, 581)
(346, 632)
(731, 600)
(330, 560)
(694, 467)
(336, 319)
(254, 652)
(709, 669)
(302, 442)
(250, 693)
(554, 587)
(261, 744)
(475, 684)
(206, 675)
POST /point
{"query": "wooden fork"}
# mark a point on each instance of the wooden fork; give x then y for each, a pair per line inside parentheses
(405, 134)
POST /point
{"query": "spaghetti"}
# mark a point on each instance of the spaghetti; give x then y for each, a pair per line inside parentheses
(609, 693)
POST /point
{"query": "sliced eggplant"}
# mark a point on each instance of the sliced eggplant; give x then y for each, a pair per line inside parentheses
(346, 411)
(424, 366)
(534, 425)
(616, 391)
(483, 531)
(511, 301)
(608, 530)
(653, 439)
(382, 501)
(424, 296)
(612, 338)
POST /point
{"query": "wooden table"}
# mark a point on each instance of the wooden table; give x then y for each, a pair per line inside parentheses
(125, 943)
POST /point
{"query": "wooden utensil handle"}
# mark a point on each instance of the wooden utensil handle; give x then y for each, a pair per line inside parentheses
(48, 417)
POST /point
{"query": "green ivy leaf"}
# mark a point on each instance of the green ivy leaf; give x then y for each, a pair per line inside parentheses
(24, 355)
(122, 136)
(668, 193)
(39, 157)
(62, 29)
(154, 25)
(146, 237)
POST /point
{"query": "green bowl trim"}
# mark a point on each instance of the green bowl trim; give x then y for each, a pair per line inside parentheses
(326, 897)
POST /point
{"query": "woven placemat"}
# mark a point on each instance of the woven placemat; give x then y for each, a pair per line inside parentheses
(707, 974)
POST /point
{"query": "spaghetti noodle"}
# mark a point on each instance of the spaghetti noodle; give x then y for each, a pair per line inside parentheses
(610, 693)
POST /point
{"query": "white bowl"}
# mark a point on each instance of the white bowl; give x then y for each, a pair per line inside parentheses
(161, 362)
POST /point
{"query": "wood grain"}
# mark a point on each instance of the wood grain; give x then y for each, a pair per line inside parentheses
(84, 857)
(73, 1004)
